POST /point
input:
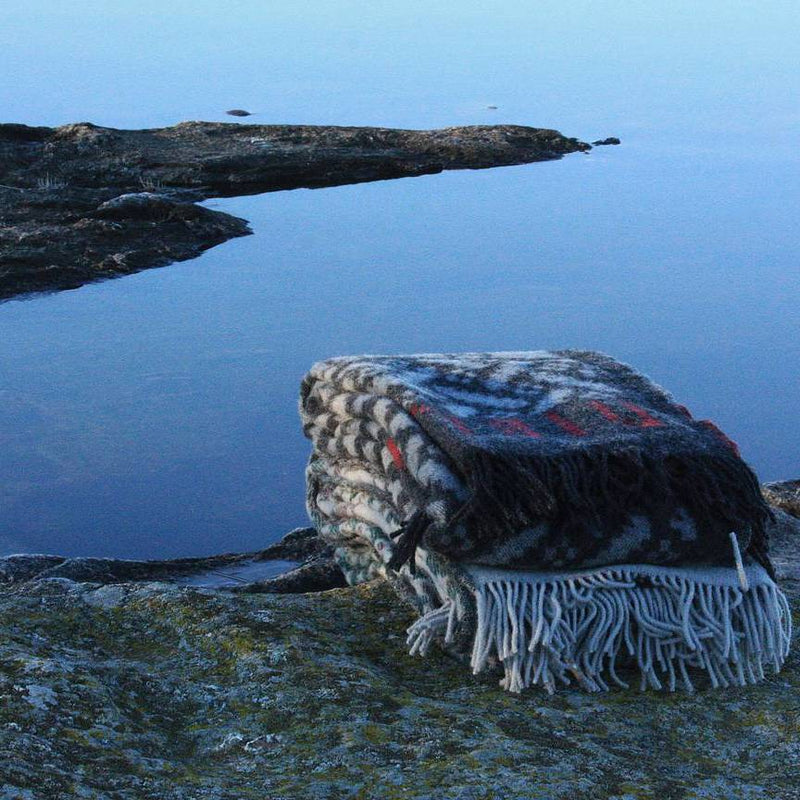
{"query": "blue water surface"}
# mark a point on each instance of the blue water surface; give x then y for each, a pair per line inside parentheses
(155, 415)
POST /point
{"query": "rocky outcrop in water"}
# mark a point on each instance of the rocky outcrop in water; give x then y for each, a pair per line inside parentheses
(81, 203)
(137, 689)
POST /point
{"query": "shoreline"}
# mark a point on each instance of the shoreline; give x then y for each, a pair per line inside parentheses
(307, 563)
(81, 203)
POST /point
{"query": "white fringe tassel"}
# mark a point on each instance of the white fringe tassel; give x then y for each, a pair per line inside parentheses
(547, 629)
(437, 624)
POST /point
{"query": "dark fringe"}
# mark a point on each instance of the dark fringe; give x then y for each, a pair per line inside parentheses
(596, 491)
(408, 537)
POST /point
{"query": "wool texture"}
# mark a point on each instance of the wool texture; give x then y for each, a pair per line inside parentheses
(555, 513)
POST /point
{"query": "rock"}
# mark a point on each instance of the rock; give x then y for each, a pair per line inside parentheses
(301, 544)
(145, 206)
(140, 690)
(784, 536)
(609, 140)
(316, 576)
(784, 495)
(155, 691)
(67, 237)
(25, 567)
(82, 202)
(317, 572)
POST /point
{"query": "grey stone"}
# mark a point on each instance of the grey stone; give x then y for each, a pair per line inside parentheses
(784, 495)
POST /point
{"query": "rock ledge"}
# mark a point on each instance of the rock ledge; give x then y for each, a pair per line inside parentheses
(140, 690)
(81, 202)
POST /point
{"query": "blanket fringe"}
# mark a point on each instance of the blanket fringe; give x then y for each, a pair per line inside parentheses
(437, 624)
(581, 627)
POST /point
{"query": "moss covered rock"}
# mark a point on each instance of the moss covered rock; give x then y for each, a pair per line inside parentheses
(152, 690)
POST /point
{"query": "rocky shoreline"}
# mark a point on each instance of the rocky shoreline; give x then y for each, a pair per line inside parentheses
(119, 682)
(81, 203)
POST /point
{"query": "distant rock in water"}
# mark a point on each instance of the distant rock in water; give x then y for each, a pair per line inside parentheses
(609, 140)
(239, 112)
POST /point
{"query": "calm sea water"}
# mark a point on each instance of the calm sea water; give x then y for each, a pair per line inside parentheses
(155, 415)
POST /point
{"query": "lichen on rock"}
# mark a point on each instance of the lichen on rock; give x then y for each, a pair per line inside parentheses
(153, 690)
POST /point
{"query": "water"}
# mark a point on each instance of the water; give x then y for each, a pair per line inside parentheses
(155, 415)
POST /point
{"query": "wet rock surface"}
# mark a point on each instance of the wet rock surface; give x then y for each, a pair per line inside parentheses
(142, 689)
(81, 202)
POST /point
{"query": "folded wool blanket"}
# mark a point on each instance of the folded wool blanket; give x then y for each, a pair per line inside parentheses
(552, 512)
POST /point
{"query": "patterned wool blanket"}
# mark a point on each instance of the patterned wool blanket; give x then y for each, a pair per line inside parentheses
(552, 512)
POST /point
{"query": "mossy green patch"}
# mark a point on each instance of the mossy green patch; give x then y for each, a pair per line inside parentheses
(174, 693)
